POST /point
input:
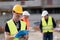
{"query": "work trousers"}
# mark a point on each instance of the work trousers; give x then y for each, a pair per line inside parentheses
(48, 36)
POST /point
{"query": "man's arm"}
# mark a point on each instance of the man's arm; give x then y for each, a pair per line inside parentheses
(7, 36)
(54, 23)
(7, 33)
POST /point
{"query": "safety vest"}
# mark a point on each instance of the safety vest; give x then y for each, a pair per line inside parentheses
(47, 26)
(26, 21)
(13, 29)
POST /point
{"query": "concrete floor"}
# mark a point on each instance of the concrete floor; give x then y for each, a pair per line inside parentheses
(36, 35)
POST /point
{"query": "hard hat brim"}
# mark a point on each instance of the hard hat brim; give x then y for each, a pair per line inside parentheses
(44, 15)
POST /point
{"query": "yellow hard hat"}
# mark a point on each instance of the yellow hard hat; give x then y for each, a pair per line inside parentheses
(18, 8)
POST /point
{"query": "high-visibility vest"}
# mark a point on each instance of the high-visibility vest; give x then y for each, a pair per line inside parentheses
(26, 21)
(47, 26)
(13, 28)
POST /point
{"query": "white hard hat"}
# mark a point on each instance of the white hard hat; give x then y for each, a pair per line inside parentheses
(44, 13)
(26, 13)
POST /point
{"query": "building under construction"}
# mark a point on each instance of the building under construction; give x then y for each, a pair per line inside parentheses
(33, 6)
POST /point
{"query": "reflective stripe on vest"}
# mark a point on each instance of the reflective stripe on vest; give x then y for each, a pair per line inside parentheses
(49, 26)
(13, 29)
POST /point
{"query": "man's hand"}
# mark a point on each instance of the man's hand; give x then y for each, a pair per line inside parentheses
(41, 33)
(8, 37)
(25, 37)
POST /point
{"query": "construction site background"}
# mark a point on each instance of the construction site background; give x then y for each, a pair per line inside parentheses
(35, 8)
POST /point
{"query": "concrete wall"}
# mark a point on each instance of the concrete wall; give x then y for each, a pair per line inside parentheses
(9, 5)
(54, 3)
(41, 3)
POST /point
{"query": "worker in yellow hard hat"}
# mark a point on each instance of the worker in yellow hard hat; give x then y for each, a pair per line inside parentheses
(47, 24)
(14, 25)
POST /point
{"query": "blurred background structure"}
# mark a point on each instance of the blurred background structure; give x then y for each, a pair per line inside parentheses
(35, 8)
